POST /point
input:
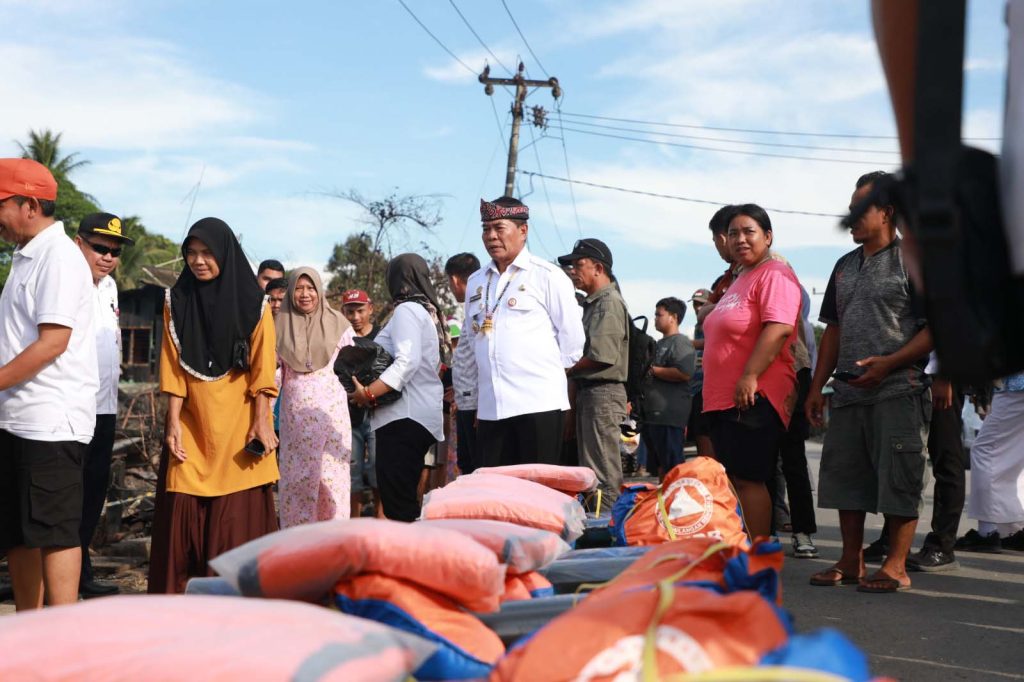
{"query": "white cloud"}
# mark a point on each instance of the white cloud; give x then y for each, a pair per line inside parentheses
(118, 93)
(685, 19)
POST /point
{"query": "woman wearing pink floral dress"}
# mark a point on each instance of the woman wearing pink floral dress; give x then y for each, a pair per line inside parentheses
(316, 434)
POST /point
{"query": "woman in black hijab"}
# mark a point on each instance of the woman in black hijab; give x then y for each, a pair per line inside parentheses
(405, 429)
(217, 366)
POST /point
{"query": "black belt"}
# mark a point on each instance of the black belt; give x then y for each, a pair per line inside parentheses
(587, 383)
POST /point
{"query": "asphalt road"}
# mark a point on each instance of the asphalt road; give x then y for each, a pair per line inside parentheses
(960, 625)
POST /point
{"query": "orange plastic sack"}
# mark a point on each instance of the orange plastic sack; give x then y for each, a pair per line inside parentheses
(466, 647)
(709, 562)
(569, 480)
(604, 638)
(695, 497)
(157, 637)
(304, 562)
(506, 498)
(520, 547)
(530, 585)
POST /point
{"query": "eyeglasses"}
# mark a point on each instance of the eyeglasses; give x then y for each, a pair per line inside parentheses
(104, 250)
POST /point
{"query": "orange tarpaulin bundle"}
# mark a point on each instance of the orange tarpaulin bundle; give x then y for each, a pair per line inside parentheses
(151, 637)
(706, 562)
(569, 480)
(305, 562)
(530, 585)
(695, 500)
(466, 647)
(521, 548)
(506, 498)
(666, 629)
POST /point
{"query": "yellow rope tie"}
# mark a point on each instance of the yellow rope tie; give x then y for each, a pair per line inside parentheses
(666, 591)
(664, 516)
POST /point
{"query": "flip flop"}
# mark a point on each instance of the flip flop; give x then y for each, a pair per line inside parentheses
(840, 578)
(881, 583)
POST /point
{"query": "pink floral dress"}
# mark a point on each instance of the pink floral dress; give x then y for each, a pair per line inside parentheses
(316, 445)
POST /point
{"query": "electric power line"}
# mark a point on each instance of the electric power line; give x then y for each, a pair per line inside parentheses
(477, 36)
(673, 196)
(568, 174)
(716, 149)
(525, 41)
(474, 212)
(497, 120)
(735, 141)
(436, 39)
(753, 131)
(547, 197)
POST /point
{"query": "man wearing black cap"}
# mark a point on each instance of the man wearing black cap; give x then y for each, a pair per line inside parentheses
(600, 375)
(523, 324)
(101, 238)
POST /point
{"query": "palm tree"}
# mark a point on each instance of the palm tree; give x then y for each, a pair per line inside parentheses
(44, 147)
(149, 249)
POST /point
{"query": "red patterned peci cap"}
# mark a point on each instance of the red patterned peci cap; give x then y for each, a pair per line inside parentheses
(505, 207)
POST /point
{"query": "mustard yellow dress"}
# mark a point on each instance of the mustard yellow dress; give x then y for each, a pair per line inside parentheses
(216, 417)
(220, 496)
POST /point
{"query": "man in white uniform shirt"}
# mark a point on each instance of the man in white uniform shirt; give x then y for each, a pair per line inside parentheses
(100, 237)
(48, 385)
(525, 328)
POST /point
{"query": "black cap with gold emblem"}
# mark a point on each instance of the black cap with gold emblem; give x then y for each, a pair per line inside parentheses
(104, 225)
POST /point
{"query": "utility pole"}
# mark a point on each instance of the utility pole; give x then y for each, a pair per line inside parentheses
(521, 84)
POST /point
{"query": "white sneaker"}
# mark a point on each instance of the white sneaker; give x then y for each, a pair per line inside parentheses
(803, 548)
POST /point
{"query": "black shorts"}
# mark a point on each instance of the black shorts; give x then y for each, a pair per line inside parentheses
(40, 492)
(698, 424)
(747, 442)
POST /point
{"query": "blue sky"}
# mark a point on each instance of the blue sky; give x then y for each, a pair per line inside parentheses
(275, 104)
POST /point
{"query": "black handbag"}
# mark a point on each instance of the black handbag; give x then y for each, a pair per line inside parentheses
(365, 360)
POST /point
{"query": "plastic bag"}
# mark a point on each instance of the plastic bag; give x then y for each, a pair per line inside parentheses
(366, 360)
(506, 498)
(467, 649)
(522, 548)
(306, 561)
(569, 480)
(158, 637)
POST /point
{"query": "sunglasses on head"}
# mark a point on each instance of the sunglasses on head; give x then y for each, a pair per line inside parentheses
(104, 250)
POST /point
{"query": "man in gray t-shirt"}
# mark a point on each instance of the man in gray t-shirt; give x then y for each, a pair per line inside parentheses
(877, 342)
(666, 390)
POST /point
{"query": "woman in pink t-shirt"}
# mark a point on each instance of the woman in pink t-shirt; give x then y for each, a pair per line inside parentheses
(749, 380)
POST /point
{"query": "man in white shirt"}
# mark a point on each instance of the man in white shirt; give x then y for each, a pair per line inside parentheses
(525, 328)
(48, 385)
(101, 239)
(459, 268)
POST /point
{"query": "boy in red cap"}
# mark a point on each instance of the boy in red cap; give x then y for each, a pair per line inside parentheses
(358, 310)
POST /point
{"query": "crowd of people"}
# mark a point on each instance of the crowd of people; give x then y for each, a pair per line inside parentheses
(261, 434)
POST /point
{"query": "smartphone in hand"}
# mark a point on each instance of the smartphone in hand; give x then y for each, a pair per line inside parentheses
(255, 447)
(845, 376)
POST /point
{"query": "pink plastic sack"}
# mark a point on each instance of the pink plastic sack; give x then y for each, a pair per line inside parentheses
(569, 480)
(506, 498)
(305, 562)
(157, 637)
(522, 548)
